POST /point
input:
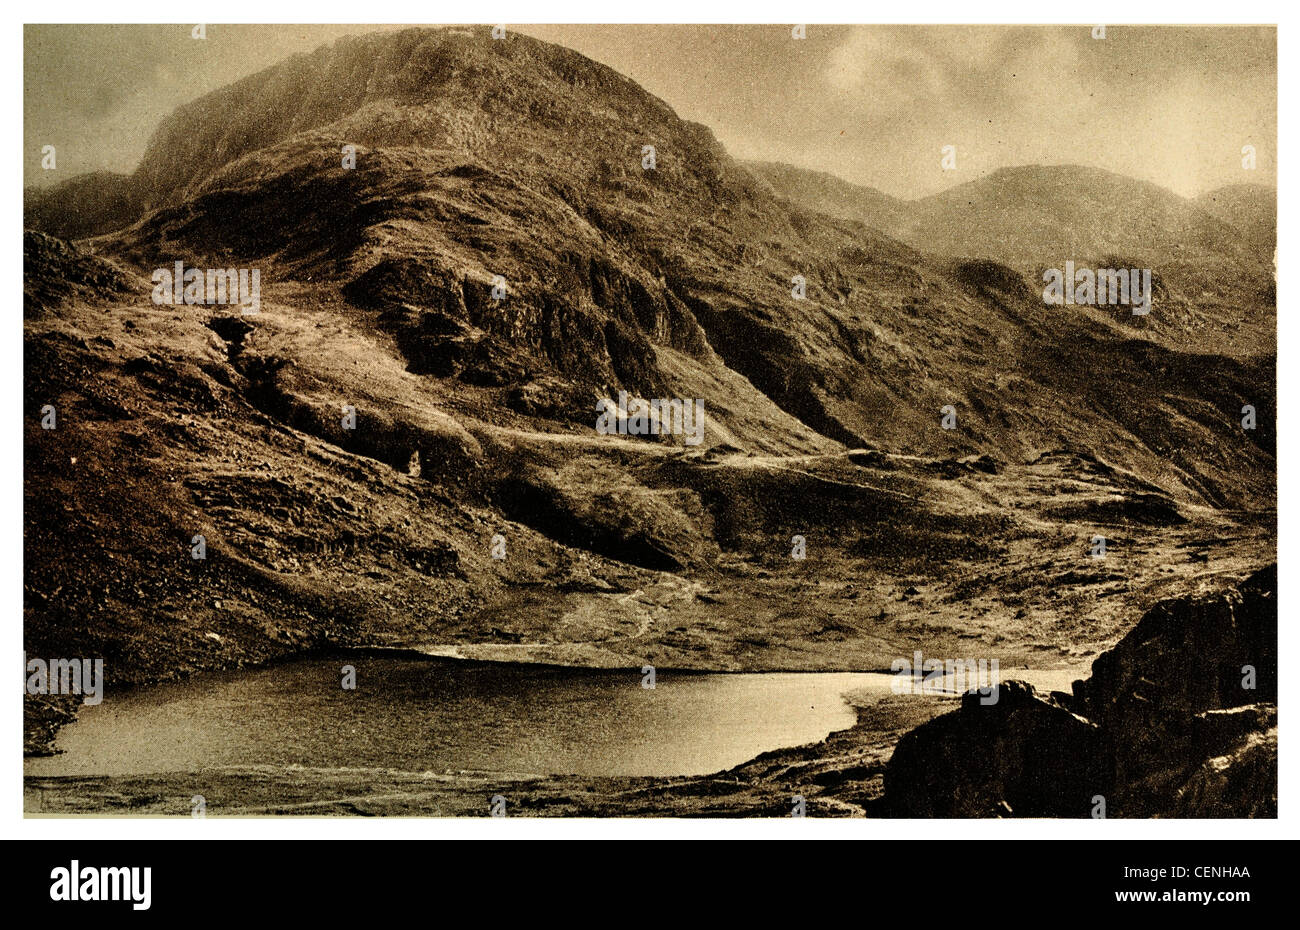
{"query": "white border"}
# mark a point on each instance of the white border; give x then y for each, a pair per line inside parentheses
(666, 11)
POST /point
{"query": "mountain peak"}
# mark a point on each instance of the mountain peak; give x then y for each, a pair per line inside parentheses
(488, 84)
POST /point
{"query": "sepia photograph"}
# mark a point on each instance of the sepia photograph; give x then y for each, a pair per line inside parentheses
(648, 421)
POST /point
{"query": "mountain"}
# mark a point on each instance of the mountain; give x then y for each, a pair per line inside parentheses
(1210, 262)
(826, 193)
(1074, 211)
(503, 254)
(85, 205)
(1251, 208)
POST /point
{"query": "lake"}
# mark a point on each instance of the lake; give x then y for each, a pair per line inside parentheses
(420, 714)
(436, 715)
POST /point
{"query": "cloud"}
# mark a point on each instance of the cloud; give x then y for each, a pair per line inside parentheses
(885, 63)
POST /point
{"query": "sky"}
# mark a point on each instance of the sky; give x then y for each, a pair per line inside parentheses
(872, 104)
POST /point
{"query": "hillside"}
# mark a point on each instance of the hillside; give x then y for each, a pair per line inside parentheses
(1251, 208)
(1074, 210)
(826, 193)
(84, 205)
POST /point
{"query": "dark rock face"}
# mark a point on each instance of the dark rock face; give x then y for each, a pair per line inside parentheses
(1022, 755)
(1184, 658)
(990, 278)
(1178, 719)
(1240, 783)
(985, 463)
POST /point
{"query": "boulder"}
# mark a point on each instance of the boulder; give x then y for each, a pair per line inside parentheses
(1022, 756)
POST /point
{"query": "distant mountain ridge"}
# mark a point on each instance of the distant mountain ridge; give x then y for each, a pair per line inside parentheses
(1077, 210)
(1012, 210)
(1212, 257)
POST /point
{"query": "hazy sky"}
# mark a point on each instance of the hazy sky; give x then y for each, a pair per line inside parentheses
(872, 104)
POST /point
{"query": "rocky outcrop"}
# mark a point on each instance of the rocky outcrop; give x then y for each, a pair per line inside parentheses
(1242, 782)
(1022, 755)
(1179, 719)
(55, 272)
(1160, 687)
